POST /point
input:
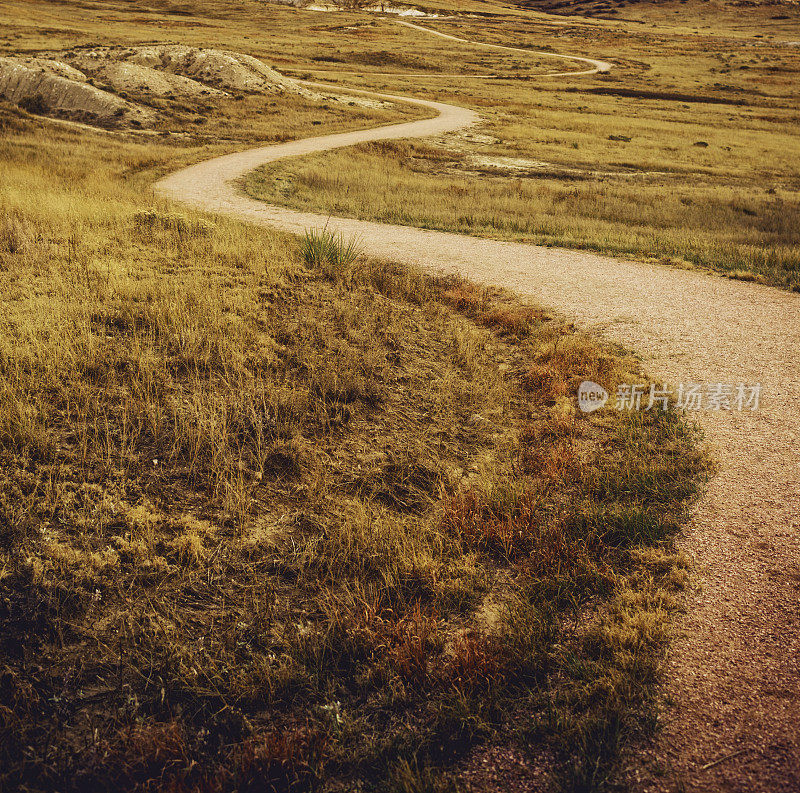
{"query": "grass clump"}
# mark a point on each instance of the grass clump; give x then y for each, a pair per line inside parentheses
(329, 251)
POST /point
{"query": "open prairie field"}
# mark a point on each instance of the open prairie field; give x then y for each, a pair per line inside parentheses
(323, 511)
(686, 152)
(275, 515)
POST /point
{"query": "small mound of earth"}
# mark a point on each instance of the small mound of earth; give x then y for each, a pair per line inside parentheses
(123, 76)
(230, 71)
(51, 66)
(42, 86)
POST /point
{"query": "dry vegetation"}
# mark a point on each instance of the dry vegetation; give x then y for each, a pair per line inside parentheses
(687, 152)
(276, 516)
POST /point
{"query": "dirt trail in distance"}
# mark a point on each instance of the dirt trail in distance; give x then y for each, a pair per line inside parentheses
(733, 670)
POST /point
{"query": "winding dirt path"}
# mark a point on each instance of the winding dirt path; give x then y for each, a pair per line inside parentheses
(595, 66)
(734, 668)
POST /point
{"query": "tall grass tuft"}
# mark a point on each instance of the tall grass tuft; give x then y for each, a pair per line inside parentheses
(330, 252)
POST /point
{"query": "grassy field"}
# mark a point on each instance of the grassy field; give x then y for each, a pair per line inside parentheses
(686, 153)
(277, 516)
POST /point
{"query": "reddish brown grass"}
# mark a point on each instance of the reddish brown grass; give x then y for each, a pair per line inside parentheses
(558, 462)
(153, 754)
(509, 321)
(478, 661)
(493, 527)
(546, 382)
(280, 760)
(411, 642)
(464, 297)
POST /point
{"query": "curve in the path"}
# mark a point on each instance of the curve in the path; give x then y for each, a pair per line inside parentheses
(735, 667)
(595, 65)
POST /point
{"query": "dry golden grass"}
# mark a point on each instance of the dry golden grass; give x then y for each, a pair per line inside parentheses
(247, 502)
(685, 153)
(253, 502)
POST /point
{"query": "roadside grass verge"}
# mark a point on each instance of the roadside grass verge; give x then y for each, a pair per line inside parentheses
(295, 521)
